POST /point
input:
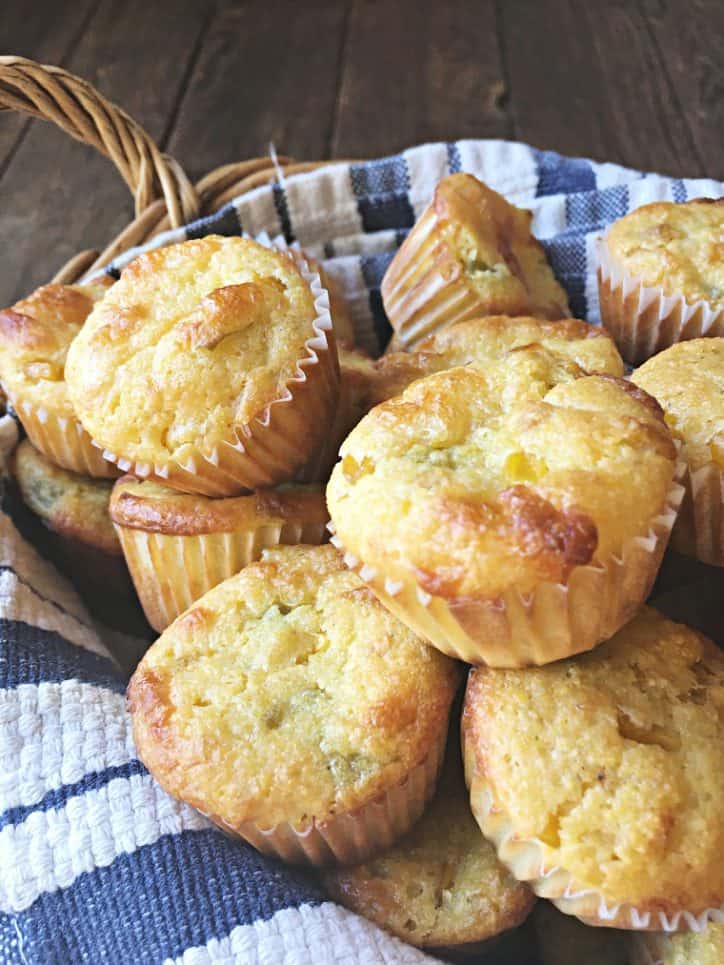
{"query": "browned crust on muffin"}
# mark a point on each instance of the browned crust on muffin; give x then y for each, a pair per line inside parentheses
(179, 514)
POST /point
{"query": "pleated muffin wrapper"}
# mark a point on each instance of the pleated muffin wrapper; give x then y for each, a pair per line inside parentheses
(526, 860)
(552, 622)
(349, 837)
(643, 319)
(63, 440)
(699, 529)
(281, 438)
(424, 289)
(171, 572)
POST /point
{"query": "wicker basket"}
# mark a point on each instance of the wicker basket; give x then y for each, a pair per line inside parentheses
(164, 196)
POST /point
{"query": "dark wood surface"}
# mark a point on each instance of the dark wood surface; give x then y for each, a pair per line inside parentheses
(639, 82)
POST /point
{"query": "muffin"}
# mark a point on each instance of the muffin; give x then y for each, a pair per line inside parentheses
(688, 948)
(210, 366)
(441, 886)
(512, 514)
(661, 276)
(178, 546)
(599, 779)
(688, 381)
(471, 253)
(290, 707)
(35, 335)
(81, 538)
(564, 940)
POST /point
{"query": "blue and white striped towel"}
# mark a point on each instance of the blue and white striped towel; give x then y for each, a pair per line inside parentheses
(97, 863)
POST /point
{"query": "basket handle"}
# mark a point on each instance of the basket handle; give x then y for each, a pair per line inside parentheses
(54, 94)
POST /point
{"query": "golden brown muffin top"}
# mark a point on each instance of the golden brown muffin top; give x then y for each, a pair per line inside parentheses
(679, 247)
(287, 693)
(158, 509)
(35, 335)
(496, 252)
(477, 341)
(685, 948)
(441, 884)
(612, 762)
(478, 480)
(72, 505)
(564, 940)
(688, 382)
(193, 340)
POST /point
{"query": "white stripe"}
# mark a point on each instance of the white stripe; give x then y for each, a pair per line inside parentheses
(55, 733)
(50, 849)
(324, 934)
(18, 602)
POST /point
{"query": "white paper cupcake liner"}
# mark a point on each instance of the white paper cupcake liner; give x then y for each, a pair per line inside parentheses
(350, 837)
(63, 440)
(424, 289)
(555, 621)
(526, 860)
(699, 529)
(171, 572)
(643, 319)
(280, 439)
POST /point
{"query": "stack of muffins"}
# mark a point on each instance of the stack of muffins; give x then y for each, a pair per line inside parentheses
(503, 499)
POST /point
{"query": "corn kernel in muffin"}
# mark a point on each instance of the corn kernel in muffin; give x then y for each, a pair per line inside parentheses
(199, 364)
(440, 885)
(661, 276)
(290, 706)
(471, 253)
(479, 488)
(599, 778)
(179, 545)
(688, 381)
(35, 335)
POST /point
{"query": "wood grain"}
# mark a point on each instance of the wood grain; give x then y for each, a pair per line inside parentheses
(586, 79)
(417, 72)
(267, 73)
(44, 32)
(691, 49)
(59, 197)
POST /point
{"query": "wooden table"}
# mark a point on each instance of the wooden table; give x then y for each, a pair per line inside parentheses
(634, 81)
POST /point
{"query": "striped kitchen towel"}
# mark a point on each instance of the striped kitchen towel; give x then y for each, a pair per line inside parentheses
(97, 863)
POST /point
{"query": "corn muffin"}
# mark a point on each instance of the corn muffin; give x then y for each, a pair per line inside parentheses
(599, 779)
(661, 276)
(471, 253)
(178, 545)
(564, 940)
(210, 365)
(35, 335)
(294, 710)
(441, 886)
(82, 540)
(688, 381)
(512, 514)
(688, 948)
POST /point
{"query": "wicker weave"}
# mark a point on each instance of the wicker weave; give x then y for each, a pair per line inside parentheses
(164, 196)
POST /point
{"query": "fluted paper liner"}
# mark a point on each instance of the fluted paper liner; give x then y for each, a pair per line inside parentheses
(643, 319)
(171, 572)
(555, 621)
(63, 440)
(699, 529)
(525, 858)
(349, 837)
(272, 447)
(424, 289)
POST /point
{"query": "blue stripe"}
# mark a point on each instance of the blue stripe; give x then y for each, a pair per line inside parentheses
(381, 188)
(373, 268)
(225, 221)
(31, 655)
(153, 904)
(454, 161)
(59, 796)
(678, 190)
(562, 175)
(282, 208)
